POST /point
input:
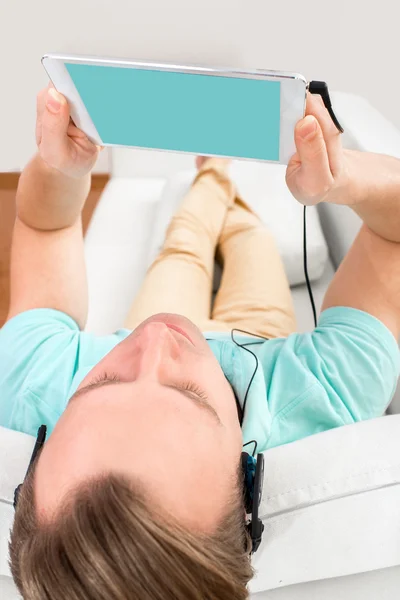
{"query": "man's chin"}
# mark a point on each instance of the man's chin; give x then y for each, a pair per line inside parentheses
(176, 321)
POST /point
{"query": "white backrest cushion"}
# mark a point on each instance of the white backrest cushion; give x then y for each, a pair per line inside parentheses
(331, 505)
(383, 585)
(263, 187)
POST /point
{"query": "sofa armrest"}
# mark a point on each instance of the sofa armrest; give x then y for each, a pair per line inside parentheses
(340, 226)
(365, 128)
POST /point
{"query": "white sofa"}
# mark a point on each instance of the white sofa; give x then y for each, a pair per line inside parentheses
(331, 502)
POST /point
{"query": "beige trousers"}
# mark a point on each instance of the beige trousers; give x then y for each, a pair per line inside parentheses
(213, 221)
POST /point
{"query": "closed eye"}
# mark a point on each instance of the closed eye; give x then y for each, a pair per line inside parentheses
(105, 377)
(187, 386)
(97, 382)
(189, 390)
(195, 389)
(192, 392)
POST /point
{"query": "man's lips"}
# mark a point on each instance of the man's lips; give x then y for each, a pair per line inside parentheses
(179, 330)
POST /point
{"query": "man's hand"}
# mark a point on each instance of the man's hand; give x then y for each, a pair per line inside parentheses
(61, 144)
(53, 187)
(320, 170)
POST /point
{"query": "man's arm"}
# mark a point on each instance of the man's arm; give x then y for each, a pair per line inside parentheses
(47, 259)
(369, 276)
(322, 171)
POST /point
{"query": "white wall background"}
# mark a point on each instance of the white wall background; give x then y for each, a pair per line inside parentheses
(352, 44)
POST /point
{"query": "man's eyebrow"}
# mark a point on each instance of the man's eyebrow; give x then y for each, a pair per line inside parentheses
(201, 402)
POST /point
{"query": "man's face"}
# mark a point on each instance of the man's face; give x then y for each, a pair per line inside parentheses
(157, 409)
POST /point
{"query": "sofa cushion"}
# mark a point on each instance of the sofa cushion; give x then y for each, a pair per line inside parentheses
(116, 248)
(8, 591)
(15, 452)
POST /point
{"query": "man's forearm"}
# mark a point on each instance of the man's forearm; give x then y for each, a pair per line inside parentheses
(376, 197)
(46, 199)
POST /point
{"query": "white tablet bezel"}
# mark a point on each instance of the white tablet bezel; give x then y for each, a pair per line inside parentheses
(293, 92)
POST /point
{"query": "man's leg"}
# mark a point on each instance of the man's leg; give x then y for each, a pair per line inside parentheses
(254, 294)
(180, 279)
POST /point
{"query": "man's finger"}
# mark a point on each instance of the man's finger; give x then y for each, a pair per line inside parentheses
(55, 122)
(315, 176)
(40, 108)
(333, 141)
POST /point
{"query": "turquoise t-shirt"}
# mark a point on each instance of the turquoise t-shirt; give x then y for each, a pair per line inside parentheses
(344, 371)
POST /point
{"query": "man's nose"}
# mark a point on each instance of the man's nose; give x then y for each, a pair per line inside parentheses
(157, 347)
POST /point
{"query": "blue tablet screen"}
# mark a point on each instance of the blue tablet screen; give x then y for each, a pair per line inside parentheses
(201, 114)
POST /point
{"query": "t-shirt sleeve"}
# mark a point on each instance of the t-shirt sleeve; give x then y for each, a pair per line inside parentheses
(43, 357)
(346, 370)
(39, 352)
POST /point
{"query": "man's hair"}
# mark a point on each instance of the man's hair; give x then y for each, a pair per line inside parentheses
(105, 543)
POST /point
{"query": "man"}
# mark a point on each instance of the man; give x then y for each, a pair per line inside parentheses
(136, 494)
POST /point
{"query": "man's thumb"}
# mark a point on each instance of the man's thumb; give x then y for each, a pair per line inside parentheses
(309, 140)
(55, 120)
